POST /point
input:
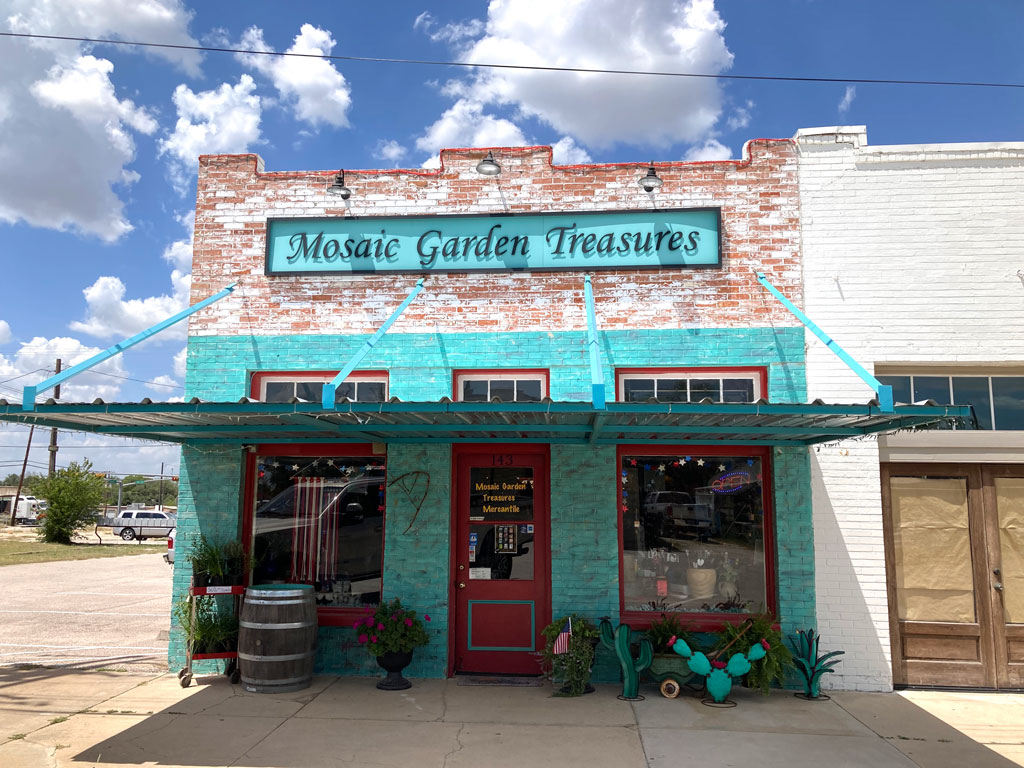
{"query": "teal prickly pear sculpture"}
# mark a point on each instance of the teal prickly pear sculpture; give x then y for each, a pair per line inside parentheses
(811, 665)
(631, 668)
(719, 674)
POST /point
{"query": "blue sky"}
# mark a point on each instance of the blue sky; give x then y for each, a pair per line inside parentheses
(97, 143)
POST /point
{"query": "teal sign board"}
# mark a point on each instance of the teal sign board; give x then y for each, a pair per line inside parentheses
(671, 238)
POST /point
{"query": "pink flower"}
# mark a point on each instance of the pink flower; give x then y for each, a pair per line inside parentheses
(672, 641)
(408, 622)
(764, 644)
(362, 638)
(373, 639)
(380, 627)
(426, 617)
(718, 664)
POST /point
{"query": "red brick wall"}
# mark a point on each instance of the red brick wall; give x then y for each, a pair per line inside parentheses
(760, 223)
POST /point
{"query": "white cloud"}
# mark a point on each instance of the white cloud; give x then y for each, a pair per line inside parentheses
(313, 87)
(179, 363)
(61, 118)
(711, 149)
(464, 124)
(389, 151)
(165, 389)
(224, 120)
(599, 110)
(848, 97)
(5, 332)
(109, 314)
(453, 32)
(36, 358)
(565, 152)
(179, 253)
(740, 118)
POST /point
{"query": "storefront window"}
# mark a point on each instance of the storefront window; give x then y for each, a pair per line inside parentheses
(320, 521)
(693, 533)
(507, 386)
(688, 385)
(282, 387)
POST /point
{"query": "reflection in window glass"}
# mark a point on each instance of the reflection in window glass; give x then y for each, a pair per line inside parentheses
(705, 388)
(973, 390)
(738, 391)
(320, 521)
(310, 391)
(509, 390)
(474, 391)
(900, 387)
(638, 390)
(504, 389)
(693, 534)
(370, 391)
(672, 390)
(1008, 394)
(279, 391)
(528, 391)
(932, 388)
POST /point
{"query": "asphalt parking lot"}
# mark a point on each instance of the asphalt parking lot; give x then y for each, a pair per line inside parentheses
(107, 612)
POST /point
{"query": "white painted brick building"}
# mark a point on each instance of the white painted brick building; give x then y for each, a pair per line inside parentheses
(913, 255)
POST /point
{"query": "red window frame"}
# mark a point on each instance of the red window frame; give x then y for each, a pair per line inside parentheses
(258, 377)
(501, 373)
(706, 621)
(760, 371)
(326, 617)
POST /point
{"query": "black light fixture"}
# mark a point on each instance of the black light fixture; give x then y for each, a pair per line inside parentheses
(488, 166)
(338, 187)
(651, 181)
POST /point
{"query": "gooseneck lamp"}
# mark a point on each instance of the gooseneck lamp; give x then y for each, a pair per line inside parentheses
(651, 181)
(488, 166)
(338, 187)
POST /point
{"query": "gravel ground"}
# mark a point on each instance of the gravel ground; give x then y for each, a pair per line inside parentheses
(107, 612)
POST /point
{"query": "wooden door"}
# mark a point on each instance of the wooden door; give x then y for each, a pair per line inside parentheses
(1004, 528)
(501, 567)
(938, 575)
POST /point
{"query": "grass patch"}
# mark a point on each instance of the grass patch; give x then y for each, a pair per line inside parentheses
(20, 552)
(61, 719)
(16, 736)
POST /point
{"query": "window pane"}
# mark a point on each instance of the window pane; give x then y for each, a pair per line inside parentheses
(672, 390)
(638, 390)
(705, 388)
(900, 387)
(503, 388)
(738, 390)
(1008, 392)
(310, 391)
(528, 390)
(345, 389)
(693, 534)
(279, 391)
(973, 390)
(320, 521)
(932, 388)
(474, 391)
(370, 391)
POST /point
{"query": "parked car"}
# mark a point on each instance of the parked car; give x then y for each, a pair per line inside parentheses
(169, 554)
(676, 511)
(134, 524)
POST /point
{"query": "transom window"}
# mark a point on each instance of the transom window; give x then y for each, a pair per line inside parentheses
(998, 400)
(675, 385)
(508, 386)
(362, 387)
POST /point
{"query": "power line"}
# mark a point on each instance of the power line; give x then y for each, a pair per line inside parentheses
(141, 381)
(537, 68)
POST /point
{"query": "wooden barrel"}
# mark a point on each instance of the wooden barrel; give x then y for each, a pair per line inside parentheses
(277, 638)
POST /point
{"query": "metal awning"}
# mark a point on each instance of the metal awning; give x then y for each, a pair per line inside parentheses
(249, 422)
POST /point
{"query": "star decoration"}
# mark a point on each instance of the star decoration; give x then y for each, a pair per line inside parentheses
(330, 462)
(750, 462)
(316, 462)
(295, 467)
(721, 467)
(700, 462)
(689, 458)
(369, 467)
(661, 467)
(632, 462)
(275, 464)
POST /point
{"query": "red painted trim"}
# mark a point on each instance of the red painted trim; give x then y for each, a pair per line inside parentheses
(502, 373)
(326, 617)
(258, 377)
(760, 370)
(705, 622)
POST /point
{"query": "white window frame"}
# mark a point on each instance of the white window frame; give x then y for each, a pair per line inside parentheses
(297, 377)
(621, 377)
(509, 375)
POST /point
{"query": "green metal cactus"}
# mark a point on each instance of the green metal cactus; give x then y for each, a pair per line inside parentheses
(811, 665)
(619, 641)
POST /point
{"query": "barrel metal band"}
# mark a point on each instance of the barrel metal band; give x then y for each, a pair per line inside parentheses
(283, 625)
(281, 592)
(285, 657)
(285, 681)
(249, 601)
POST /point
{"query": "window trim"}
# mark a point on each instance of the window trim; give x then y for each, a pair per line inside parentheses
(326, 616)
(978, 372)
(758, 373)
(259, 379)
(479, 374)
(705, 621)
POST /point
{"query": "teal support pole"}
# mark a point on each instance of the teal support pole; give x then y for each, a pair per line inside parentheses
(882, 391)
(596, 375)
(329, 390)
(28, 395)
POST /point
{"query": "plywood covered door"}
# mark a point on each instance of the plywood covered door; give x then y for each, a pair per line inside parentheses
(1004, 528)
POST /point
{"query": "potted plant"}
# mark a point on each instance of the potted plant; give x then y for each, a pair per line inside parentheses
(701, 576)
(666, 665)
(777, 660)
(572, 667)
(391, 633)
(729, 573)
(233, 558)
(210, 631)
(207, 563)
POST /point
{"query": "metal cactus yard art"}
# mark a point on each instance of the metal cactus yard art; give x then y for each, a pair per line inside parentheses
(811, 665)
(719, 674)
(619, 641)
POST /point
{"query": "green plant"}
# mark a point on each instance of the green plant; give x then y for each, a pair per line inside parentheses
(809, 663)
(619, 641)
(391, 628)
(206, 557)
(233, 557)
(664, 629)
(571, 668)
(212, 631)
(776, 662)
(73, 494)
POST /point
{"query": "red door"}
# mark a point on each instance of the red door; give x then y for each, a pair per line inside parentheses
(501, 578)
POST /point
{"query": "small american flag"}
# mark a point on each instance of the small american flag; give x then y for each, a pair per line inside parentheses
(562, 641)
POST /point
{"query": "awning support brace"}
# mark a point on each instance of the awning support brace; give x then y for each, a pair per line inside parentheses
(596, 374)
(28, 395)
(882, 391)
(329, 399)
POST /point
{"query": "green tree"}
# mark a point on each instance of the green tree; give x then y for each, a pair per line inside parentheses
(73, 494)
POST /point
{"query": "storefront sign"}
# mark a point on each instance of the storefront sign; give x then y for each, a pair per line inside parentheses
(672, 238)
(504, 493)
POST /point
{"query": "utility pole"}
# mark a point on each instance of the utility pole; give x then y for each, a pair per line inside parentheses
(161, 485)
(21, 480)
(53, 432)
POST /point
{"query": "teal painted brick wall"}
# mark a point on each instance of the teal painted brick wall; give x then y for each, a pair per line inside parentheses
(794, 534)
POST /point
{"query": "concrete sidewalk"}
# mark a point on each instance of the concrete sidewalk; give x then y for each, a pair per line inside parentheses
(100, 718)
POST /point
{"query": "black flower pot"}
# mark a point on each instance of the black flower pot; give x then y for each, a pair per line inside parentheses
(200, 579)
(393, 664)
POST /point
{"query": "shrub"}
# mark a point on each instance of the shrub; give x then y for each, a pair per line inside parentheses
(73, 494)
